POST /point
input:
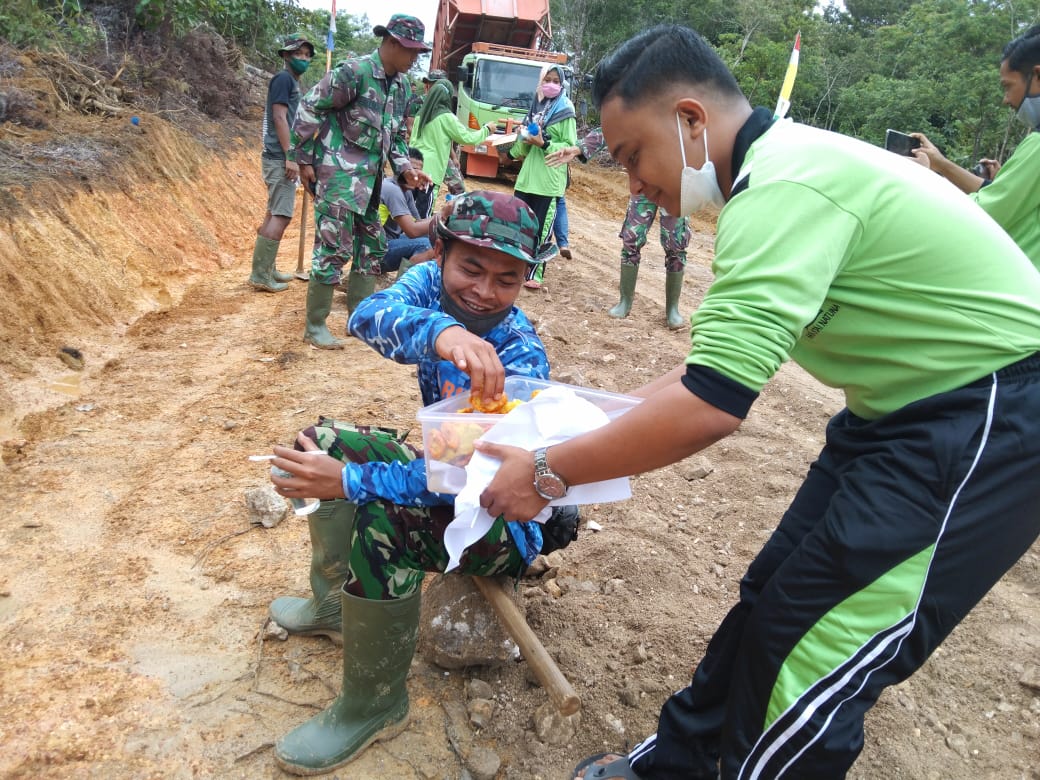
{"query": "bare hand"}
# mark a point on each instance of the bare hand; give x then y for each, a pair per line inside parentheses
(315, 474)
(476, 357)
(511, 492)
(419, 179)
(292, 170)
(991, 166)
(929, 150)
(307, 177)
(562, 156)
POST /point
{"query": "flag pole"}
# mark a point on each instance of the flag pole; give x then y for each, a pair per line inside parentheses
(783, 103)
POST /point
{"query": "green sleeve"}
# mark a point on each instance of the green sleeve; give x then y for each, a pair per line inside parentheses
(1014, 193)
(461, 134)
(771, 277)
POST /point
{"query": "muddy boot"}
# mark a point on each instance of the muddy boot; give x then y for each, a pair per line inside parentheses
(319, 304)
(402, 269)
(263, 276)
(331, 527)
(672, 288)
(373, 701)
(358, 288)
(629, 273)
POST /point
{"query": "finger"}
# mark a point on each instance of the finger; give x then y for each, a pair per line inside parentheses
(458, 357)
(491, 449)
(306, 442)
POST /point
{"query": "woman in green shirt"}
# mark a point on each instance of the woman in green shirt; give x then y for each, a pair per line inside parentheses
(436, 127)
(537, 184)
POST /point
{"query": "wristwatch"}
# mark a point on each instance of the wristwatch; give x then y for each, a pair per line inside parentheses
(547, 482)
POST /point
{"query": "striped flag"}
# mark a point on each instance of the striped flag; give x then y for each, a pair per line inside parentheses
(784, 102)
(330, 38)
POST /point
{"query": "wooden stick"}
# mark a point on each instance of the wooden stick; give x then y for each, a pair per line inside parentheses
(299, 274)
(542, 664)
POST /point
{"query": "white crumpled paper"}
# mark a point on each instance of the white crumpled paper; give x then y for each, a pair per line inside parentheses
(554, 415)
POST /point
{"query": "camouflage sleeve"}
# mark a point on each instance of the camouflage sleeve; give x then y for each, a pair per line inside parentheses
(591, 145)
(336, 90)
(399, 160)
(400, 483)
(403, 321)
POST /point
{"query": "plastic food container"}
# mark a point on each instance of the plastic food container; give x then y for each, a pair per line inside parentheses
(448, 434)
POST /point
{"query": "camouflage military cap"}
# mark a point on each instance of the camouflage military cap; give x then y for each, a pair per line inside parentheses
(435, 75)
(407, 30)
(495, 220)
(295, 42)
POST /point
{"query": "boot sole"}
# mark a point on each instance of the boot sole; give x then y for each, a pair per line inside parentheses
(265, 288)
(335, 636)
(389, 732)
(316, 345)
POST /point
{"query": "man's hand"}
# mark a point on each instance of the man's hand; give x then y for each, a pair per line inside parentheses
(292, 170)
(307, 177)
(511, 492)
(562, 156)
(476, 357)
(315, 474)
(414, 178)
(990, 166)
(929, 151)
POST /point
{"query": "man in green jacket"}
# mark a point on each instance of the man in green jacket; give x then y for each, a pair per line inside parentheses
(1010, 194)
(346, 129)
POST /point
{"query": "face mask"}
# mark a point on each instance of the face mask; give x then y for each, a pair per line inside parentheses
(480, 326)
(551, 90)
(1029, 108)
(299, 67)
(699, 187)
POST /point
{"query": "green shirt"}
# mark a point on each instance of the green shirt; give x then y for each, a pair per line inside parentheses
(434, 141)
(875, 275)
(535, 176)
(1013, 197)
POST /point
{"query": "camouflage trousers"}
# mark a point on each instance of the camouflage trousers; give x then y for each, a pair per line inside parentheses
(453, 178)
(394, 545)
(343, 238)
(675, 234)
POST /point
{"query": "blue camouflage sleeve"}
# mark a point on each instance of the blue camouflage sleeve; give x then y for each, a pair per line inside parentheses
(522, 352)
(403, 321)
(400, 483)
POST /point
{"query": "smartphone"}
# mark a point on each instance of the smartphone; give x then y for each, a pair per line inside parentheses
(901, 143)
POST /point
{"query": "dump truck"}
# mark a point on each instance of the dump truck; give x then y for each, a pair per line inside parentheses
(493, 51)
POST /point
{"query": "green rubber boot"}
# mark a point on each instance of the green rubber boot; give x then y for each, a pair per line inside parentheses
(672, 287)
(358, 288)
(402, 269)
(629, 273)
(263, 276)
(331, 527)
(319, 304)
(373, 702)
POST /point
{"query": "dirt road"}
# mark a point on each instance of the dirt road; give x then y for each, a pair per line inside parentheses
(133, 590)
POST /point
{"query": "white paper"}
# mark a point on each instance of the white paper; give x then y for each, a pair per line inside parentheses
(554, 415)
(497, 140)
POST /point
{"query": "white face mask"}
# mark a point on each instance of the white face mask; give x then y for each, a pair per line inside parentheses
(699, 187)
(1029, 108)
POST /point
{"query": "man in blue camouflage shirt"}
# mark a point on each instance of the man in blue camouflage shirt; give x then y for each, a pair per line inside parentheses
(456, 320)
(347, 127)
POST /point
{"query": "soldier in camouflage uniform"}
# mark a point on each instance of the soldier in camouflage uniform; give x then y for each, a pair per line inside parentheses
(346, 128)
(456, 320)
(675, 236)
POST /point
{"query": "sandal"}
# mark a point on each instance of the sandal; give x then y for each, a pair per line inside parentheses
(619, 768)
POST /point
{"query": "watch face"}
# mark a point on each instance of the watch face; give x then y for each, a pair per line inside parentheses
(551, 487)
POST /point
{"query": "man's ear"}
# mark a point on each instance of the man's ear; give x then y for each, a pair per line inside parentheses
(692, 113)
(438, 247)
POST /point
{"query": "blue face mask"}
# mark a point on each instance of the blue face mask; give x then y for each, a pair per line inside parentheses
(299, 67)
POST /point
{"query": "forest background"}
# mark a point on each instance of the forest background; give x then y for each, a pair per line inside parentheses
(866, 65)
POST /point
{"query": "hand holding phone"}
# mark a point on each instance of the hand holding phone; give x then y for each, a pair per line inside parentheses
(901, 143)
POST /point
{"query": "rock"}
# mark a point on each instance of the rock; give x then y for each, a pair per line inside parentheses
(630, 695)
(480, 712)
(554, 560)
(958, 744)
(230, 425)
(71, 357)
(638, 654)
(693, 469)
(614, 586)
(479, 689)
(274, 631)
(553, 728)
(553, 589)
(459, 628)
(538, 567)
(615, 723)
(265, 506)
(482, 764)
(1030, 677)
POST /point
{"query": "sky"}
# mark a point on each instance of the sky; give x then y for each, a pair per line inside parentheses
(426, 10)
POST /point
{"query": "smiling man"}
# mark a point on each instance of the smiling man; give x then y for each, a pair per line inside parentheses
(880, 279)
(456, 319)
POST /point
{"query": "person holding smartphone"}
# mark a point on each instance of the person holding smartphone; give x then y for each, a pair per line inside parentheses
(1009, 193)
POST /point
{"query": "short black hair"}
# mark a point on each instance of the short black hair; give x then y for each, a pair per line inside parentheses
(1024, 52)
(415, 154)
(648, 64)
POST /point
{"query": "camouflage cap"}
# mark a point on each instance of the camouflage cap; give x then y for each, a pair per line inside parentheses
(294, 42)
(435, 75)
(496, 220)
(407, 30)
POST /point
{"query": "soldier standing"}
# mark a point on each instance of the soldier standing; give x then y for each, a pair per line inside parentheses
(346, 128)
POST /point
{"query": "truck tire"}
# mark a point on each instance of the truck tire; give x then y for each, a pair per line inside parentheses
(463, 162)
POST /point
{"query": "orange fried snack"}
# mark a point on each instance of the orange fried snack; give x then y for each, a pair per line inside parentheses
(500, 405)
